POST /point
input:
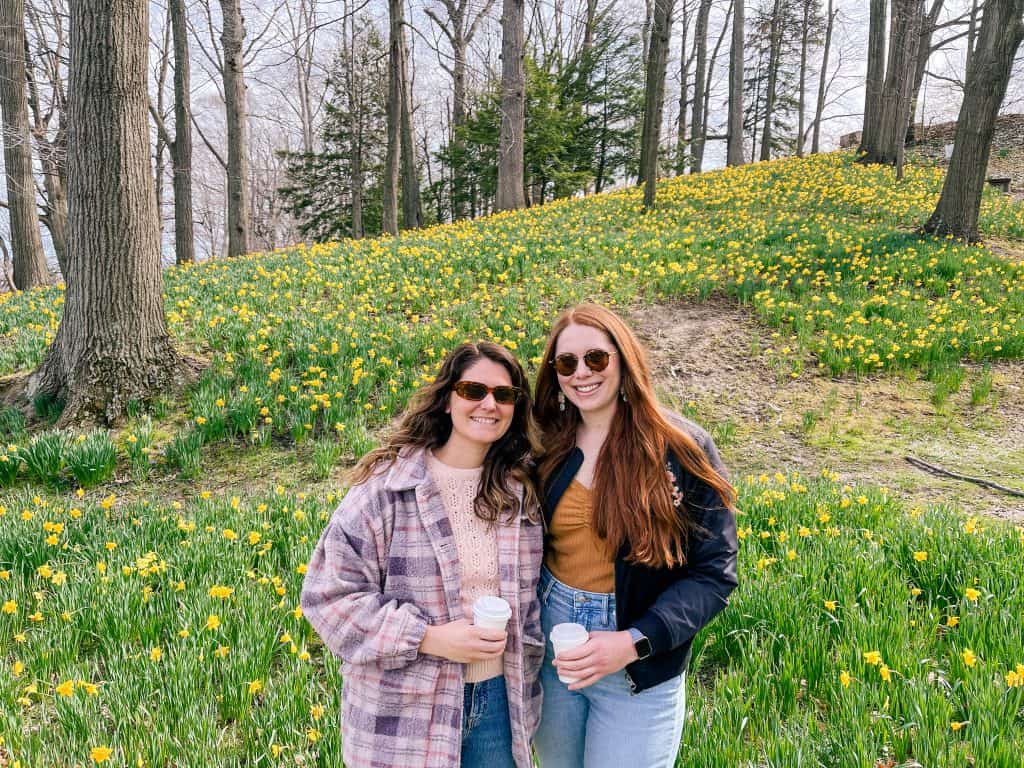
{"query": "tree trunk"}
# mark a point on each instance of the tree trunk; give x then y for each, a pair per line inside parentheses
(29, 261)
(1002, 29)
(698, 129)
(734, 148)
(394, 117)
(589, 23)
(654, 97)
(112, 345)
(774, 55)
(904, 36)
(684, 88)
(875, 77)
(411, 215)
(802, 103)
(232, 37)
(823, 81)
(924, 52)
(181, 149)
(510, 194)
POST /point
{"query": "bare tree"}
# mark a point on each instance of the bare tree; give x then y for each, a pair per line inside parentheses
(685, 61)
(654, 97)
(411, 213)
(698, 126)
(232, 38)
(734, 148)
(1001, 33)
(112, 345)
(459, 27)
(396, 87)
(904, 38)
(45, 63)
(875, 76)
(27, 246)
(823, 78)
(774, 60)
(510, 192)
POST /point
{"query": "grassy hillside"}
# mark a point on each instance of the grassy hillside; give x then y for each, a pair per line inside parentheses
(149, 587)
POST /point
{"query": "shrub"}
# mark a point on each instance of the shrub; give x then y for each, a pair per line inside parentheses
(44, 456)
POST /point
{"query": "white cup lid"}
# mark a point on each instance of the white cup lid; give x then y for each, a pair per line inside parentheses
(491, 605)
(569, 632)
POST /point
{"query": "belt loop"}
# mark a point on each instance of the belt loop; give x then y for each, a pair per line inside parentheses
(546, 589)
(609, 606)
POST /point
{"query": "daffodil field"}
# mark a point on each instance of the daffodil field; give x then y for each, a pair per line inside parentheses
(147, 628)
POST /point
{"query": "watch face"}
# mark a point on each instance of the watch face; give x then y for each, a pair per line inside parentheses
(643, 647)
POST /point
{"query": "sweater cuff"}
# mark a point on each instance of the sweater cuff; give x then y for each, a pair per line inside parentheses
(656, 631)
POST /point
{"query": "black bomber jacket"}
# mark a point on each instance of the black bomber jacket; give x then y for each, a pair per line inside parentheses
(670, 605)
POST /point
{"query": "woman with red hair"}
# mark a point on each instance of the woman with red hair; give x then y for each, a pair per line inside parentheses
(641, 547)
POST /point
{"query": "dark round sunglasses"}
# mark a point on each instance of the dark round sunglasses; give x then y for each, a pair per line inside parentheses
(595, 359)
(474, 391)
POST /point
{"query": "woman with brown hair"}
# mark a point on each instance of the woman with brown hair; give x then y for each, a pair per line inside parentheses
(641, 548)
(424, 582)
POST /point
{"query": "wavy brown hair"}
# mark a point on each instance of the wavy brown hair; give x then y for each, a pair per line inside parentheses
(427, 424)
(634, 496)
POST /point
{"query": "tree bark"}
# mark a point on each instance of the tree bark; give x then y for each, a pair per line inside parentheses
(684, 89)
(924, 52)
(802, 103)
(112, 345)
(654, 97)
(52, 151)
(823, 80)
(26, 245)
(411, 215)
(181, 148)
(774, 54)
(394, 117)
(875, 77)
(510, 193)
(904, 37)
(1001, 33)
(734, 147)
(232, 38)
(698, 129)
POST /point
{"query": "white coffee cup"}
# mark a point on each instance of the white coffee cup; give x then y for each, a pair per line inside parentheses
(565, 637)
(491, 612)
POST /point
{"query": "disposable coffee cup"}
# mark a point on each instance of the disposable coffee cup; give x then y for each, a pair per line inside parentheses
(491, 612)
(565, 637)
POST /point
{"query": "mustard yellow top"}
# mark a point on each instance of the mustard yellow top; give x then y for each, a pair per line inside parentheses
(577, 556)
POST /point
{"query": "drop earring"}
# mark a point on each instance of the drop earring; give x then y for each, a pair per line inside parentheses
(561, 401)
(622, 394)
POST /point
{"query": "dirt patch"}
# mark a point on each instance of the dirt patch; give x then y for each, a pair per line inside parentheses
(1011, 250)
(713, 354)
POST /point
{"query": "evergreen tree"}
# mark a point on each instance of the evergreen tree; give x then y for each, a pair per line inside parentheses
(337, 191)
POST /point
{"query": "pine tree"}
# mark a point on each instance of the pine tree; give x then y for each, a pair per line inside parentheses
(324, 187)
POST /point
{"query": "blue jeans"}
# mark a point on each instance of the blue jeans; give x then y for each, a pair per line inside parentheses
(603, 725)
(486, 727)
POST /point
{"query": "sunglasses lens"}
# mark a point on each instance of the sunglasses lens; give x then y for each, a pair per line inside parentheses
(474, 391)
(565, 364)
(596, 359)
(505, 395)
(471, 390)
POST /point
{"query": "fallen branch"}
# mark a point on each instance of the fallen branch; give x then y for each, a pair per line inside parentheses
(976, 480)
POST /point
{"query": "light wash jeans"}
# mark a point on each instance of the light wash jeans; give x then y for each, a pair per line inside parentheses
(603, 725)
(486, 727)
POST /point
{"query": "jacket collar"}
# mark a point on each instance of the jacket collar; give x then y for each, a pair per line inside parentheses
(407, 471)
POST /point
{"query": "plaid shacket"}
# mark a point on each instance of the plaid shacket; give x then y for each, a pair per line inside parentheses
(385, 567)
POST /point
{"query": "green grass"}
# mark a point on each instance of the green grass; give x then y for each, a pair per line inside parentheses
(314, 349)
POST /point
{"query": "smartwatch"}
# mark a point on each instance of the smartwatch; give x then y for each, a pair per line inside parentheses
(641, 644)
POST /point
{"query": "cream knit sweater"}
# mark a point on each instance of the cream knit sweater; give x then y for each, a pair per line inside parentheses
(476, 544)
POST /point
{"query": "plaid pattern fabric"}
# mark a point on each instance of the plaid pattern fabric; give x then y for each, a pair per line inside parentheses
(384, 569)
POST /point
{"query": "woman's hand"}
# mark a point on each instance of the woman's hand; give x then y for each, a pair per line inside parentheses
(603, 654)
(463, 641)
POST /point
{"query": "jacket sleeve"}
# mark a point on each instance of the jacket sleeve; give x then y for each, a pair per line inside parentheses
(692, 601)
(342, 595)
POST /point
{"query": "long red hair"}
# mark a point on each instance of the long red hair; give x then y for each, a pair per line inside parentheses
(633, 493)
